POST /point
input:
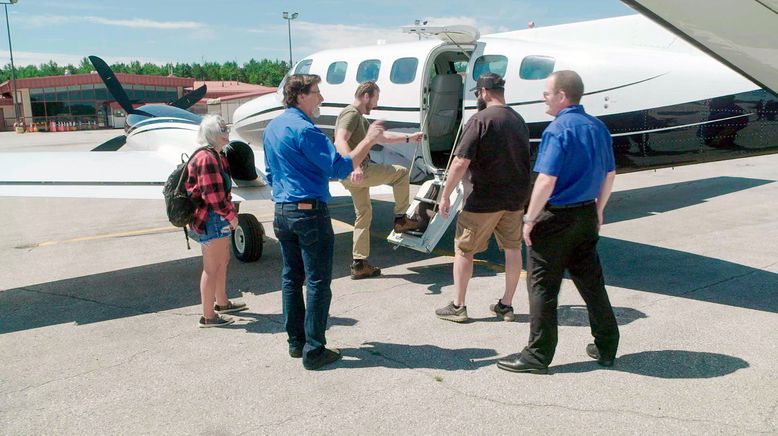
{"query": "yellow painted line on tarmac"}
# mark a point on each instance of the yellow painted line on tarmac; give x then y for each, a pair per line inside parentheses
(151, 231)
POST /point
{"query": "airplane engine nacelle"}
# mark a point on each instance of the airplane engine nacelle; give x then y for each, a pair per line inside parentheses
(241, 159)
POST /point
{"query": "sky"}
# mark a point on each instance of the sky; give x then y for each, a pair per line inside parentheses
(165, 31)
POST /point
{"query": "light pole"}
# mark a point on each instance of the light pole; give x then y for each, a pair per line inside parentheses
(286, 16)
(11, 52)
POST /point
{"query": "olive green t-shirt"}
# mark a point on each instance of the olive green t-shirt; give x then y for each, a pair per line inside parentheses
(352, 120)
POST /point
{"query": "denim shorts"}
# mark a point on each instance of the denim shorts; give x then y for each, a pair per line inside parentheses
(216, 226)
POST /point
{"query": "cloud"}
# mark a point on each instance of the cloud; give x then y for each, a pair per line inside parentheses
(310, 37)
(23, 58)
(143, 23)
(137, 23)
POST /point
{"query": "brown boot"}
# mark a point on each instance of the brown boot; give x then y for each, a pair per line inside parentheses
(361, 269)
(404, 224)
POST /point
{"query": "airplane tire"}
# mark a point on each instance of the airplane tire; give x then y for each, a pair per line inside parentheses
(248, 238)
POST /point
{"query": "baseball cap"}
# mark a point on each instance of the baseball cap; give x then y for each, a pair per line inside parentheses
(489, 81)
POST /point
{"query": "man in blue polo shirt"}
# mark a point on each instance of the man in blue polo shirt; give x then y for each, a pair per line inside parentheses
(299, 162)
(576, 170)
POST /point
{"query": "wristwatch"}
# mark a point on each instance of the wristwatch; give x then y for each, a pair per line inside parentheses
(525, 219)
(407, 138)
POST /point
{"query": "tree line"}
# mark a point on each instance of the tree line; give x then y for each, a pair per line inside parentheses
(264, 72)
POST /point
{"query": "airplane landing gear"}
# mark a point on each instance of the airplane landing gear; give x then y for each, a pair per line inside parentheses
(248, 238)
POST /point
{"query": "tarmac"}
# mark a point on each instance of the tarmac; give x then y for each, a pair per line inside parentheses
(99, 304)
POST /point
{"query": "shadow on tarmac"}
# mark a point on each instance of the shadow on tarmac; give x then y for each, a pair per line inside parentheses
(630, 265)
(669, 364)
(389, 355)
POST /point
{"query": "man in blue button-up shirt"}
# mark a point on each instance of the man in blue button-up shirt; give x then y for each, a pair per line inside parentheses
(576, 170)
(299, 161)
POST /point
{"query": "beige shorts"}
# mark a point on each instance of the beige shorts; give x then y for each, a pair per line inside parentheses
(474, 230)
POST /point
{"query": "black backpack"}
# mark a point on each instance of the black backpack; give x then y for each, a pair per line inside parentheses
(178, 204)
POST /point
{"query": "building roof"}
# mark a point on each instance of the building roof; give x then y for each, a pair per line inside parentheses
(85, 79)
(224, 88)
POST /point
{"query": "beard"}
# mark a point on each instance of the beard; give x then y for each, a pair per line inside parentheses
(316, 112)
(480, 104)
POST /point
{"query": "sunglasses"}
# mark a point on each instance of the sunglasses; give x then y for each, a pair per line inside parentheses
(224, 128)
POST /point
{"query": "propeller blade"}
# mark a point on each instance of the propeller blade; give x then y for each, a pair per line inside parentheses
(112, 83)
(112, 144)
(190, 98)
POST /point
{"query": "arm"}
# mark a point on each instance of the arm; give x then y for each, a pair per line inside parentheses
(400, 138)
(544, 186)
(342, 136)
(458, 169)
(604, 196)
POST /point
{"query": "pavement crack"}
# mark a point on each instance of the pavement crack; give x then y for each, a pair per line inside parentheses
(81, 374)
(605, 411)
(137, 310)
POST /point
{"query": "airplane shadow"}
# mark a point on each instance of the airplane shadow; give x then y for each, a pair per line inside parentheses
(173, 285)
(668, 364)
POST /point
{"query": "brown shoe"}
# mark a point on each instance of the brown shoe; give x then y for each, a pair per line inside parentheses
(404, 224)
(361, 269)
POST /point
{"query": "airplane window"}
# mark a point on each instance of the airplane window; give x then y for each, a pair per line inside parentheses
(303, 67)
(497, 64)
(336, 73)
(368, 70)
(404, 70)
(536, 67)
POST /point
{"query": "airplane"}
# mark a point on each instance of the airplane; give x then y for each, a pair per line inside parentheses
(665, 102)
(137, 164)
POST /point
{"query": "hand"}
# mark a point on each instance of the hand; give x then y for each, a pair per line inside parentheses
(234, 223)
(444, 207)
(376, 130)
(357, 176)
(417, 137)
(527, 231)
(599, 220)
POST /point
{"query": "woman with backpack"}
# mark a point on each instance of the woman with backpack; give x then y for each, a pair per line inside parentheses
(209, 185)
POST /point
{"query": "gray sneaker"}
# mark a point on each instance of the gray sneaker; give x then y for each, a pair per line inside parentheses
(501, 310)
(219, 321)
(230, 307)
(452, 313)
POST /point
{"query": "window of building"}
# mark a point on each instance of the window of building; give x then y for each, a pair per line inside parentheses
(404, 70)
(496, 64)
(304, 67)
(336, 73)
(368, 70)
(536, 67)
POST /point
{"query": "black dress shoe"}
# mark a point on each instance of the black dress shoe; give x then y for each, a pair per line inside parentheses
(515, 364)
(594, 353)
(296, 352)
(325, 358)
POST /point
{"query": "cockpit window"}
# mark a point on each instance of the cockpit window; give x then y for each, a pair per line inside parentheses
(536, 67)
(404, 70)
(368, 70)
(303, 67)
(336, 73)
(497, 64)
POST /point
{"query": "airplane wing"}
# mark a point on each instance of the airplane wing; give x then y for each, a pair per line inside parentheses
(739, 33)
(123, 175)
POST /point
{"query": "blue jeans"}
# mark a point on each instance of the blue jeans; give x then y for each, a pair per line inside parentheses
(307, 243)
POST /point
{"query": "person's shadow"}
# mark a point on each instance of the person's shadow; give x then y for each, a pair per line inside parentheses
(403, 356)
(665, 364)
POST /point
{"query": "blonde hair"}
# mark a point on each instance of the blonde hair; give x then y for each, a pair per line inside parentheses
(210, 129)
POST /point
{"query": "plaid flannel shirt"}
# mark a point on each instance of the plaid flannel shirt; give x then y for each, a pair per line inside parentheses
(206, 186)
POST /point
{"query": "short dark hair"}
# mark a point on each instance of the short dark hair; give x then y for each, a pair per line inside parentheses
(297, 84)
(368, 88)
(570, 82)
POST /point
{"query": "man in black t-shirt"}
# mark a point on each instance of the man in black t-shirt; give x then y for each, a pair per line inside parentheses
(495, 148)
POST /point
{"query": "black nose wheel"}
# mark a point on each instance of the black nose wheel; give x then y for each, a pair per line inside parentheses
(248, 238)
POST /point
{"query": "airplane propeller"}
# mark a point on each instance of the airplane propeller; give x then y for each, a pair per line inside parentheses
(190, 98)
(114, 86)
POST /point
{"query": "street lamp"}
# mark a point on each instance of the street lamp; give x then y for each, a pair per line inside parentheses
(286, 16)
(11, 52)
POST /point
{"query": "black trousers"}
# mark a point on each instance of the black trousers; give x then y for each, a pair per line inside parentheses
(566, 239)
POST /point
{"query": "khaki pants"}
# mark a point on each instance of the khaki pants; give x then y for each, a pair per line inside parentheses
(395, 176)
